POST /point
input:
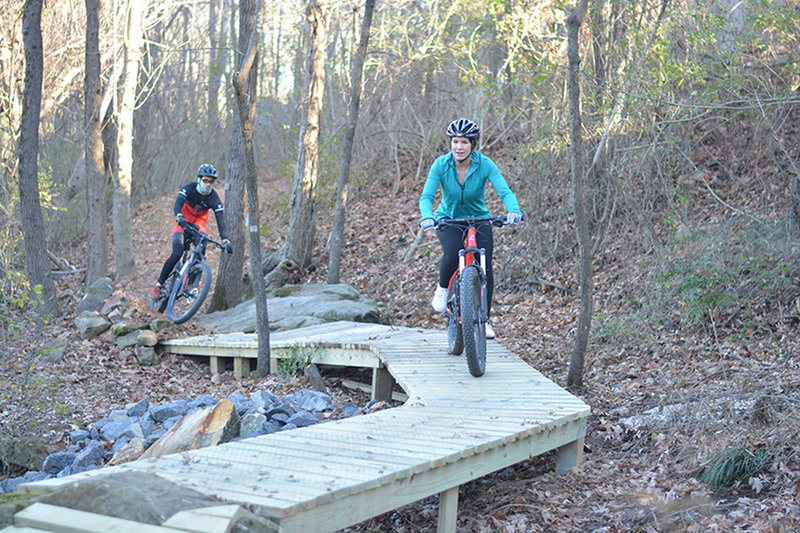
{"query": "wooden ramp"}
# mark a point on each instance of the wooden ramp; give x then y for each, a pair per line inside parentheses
(452, 429)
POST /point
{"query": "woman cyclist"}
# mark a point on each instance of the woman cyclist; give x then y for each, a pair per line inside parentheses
(191, 207)
(462, 175)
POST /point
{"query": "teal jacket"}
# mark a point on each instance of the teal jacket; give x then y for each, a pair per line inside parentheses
(460, 201)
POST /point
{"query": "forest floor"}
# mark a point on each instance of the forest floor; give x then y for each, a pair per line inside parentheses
(663, 400)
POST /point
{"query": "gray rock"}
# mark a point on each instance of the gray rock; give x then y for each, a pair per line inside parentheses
(350, 409)
(252, 423)
(264, 399)
(311, 400)
(11, 485)
(171, 421)
(74, 448)
(240, 402)
(296, 305)
(142, 497)
(89, 456)
(138, 409)
(78, 436)
(159, 324)
(146, 337)
(160, 413)
(279, 417)
(147, 424)
(91, 324)
(102, 288)
(302, 419)
(56, 462)
(270, 427)
(154, 436)
(283, 408)
(126, 428)
(53, 352)
(127, 340)
(89, 302)
(204, 400)
(288, 427)
(121, 443)
(146, 355)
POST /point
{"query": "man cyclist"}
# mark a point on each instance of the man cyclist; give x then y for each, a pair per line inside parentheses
(462, 175)
(191, 207)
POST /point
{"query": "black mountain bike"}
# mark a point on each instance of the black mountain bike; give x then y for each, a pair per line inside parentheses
(466, 301)
(190, 280)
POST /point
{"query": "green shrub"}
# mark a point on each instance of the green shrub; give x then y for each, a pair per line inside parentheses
(297, 361)
(734, 465)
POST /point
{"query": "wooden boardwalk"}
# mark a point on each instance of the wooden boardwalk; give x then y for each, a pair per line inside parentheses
(453, 428)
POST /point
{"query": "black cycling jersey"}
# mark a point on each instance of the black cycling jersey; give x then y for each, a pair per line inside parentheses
(195, 206)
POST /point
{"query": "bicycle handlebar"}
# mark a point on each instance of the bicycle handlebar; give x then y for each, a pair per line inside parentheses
(471, 221)
(194, 228)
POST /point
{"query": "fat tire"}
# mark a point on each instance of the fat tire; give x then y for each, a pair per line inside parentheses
(473, 320)
(178, 292)
(455, 337)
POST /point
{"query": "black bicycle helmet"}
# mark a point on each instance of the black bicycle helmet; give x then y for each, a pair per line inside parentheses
(207, 171)
(464, 127)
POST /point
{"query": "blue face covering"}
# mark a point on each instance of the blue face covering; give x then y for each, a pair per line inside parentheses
(203, 187)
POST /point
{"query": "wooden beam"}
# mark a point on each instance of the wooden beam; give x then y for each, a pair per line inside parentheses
(569, 456)
(448, 511)
(382, 383)
(52, 518)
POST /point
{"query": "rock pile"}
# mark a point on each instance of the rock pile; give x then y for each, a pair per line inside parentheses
(102, 310)
(144, 430)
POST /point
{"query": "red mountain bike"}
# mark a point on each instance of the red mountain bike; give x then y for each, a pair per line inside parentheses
(466, 300)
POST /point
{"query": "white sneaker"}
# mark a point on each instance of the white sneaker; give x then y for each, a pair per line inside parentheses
(439, 301)
(489, 331)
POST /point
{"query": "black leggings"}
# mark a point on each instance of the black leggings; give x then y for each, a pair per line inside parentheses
(179, 240)
(452, 239)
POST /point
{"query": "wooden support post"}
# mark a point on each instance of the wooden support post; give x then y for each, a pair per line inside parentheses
(217, 365)
(569, 456)
(274, 363)
(448, 511)
(382, 383)
(241, 367)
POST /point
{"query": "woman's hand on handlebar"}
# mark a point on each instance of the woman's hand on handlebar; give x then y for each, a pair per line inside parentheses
(513, 218)
(427, 223)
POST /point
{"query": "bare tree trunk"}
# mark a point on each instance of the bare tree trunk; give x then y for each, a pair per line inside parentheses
(246, 112)
(32, 220)
(93, 150)
(574, 21)
(228, 287)
(340, 210)
(214, 72)
(123, 242)
(300, 239)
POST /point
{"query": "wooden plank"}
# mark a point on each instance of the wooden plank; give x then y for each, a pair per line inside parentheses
(21, 529)
(341, 512)
(217, 519)
(52, 518)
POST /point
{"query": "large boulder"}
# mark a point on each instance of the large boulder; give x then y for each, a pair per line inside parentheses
(295, 306)
(207, 427)
(143, 497)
